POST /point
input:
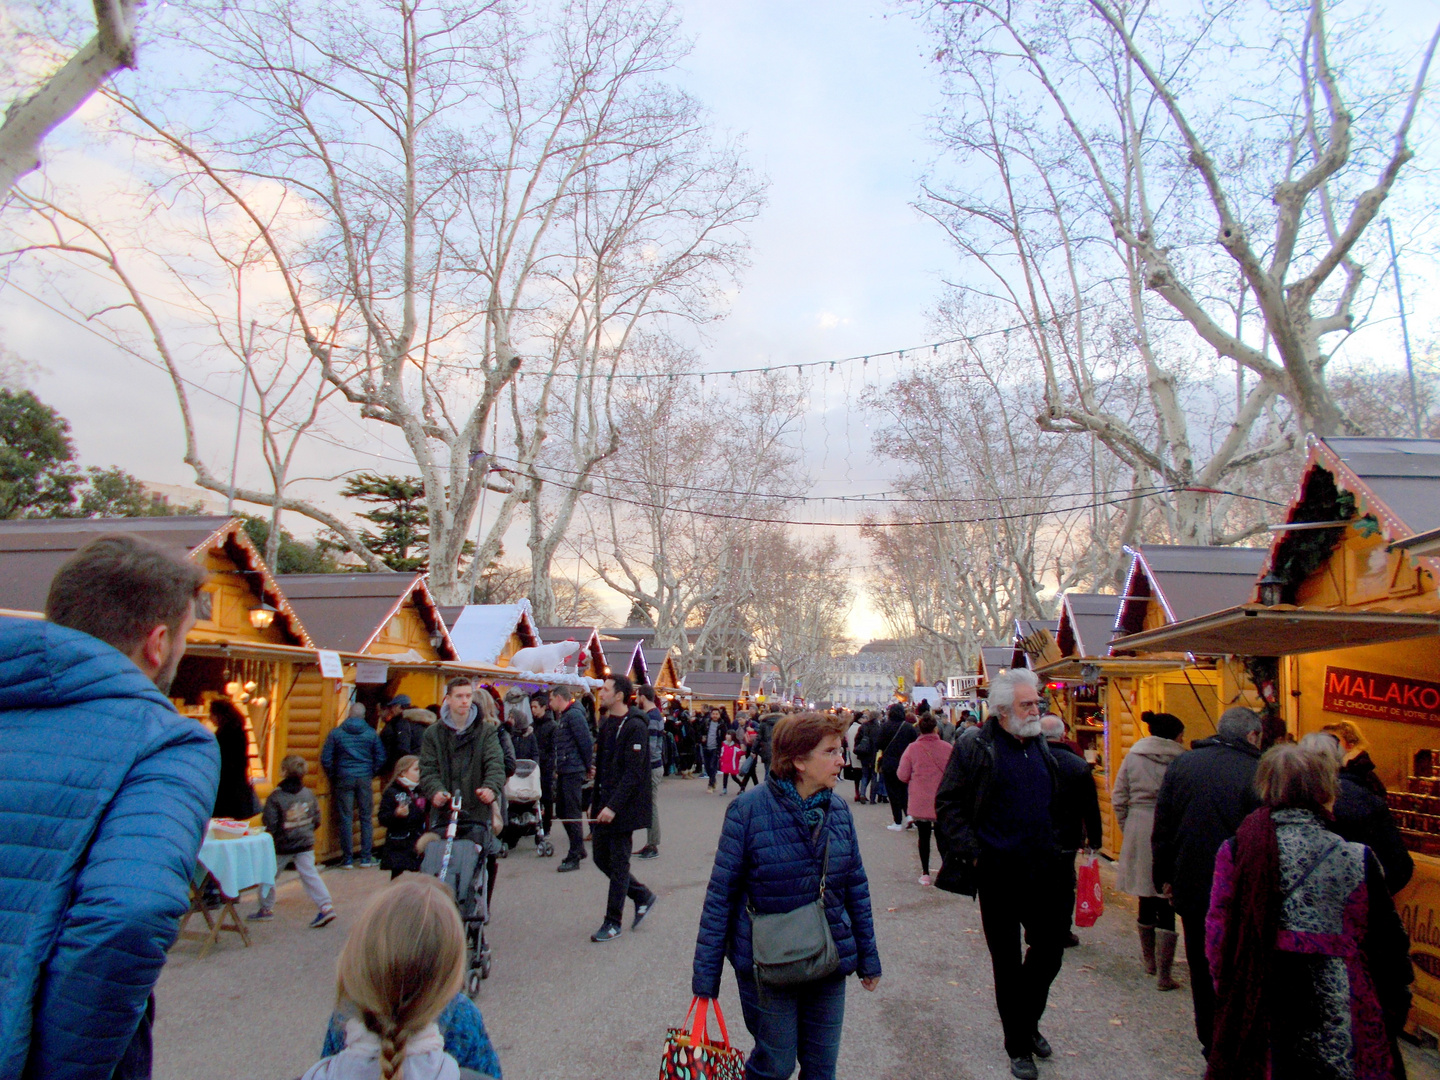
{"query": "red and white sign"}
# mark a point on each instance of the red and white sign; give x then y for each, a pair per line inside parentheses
(1381, 697)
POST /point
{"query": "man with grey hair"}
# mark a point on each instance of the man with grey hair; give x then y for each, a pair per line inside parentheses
(997, 810)
(1206, 794)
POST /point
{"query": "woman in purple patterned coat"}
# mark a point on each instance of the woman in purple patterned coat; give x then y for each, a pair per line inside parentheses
(1310, 961)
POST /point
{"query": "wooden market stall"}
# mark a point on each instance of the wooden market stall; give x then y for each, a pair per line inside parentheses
(1073, 683)
(248, 643)
(1167, 584)
(656, 667)
(715, 690)
(1344, 625)
(491, 633)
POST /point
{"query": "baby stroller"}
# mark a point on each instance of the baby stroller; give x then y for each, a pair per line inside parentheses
(461, 867)
(522, 809)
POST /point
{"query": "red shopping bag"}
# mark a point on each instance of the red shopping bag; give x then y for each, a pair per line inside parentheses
(690, 1055)
(1089, 902)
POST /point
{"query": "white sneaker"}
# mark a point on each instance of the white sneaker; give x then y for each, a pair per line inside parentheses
(908, 821)
(925, 879)
(896, 828)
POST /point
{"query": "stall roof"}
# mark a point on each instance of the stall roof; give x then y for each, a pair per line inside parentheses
(716, 685)
(32, 550)
(1073, 668)
(1404, 474)
(1282, 630)
(588, 636)
(1086, 622)
(480, 631)
(348, 611)
(1187, 581)
(993, 658)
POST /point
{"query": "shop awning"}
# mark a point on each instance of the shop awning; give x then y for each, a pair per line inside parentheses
(1426, 543)
(1282, 630)
(1072, 668)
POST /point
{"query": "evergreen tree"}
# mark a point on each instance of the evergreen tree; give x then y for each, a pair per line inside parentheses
(296, 556)
(403, 539)
(114, 492)
(38, 476)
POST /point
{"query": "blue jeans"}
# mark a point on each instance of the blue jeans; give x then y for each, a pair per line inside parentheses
(351, 792)
(797, 1023)
(868, 786)
(712, 764)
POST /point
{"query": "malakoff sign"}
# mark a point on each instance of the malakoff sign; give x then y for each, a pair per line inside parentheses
(1381, 697)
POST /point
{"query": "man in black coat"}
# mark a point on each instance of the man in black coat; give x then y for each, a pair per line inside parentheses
(895, 736)
(574, 761)
(997, 826)
(1207, 792)
(622, 801)
(1079, 814)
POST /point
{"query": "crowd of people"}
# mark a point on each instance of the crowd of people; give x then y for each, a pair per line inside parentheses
(1278, 858)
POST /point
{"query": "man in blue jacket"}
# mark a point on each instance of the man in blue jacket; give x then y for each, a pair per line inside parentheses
(352, 757)
(105, 791)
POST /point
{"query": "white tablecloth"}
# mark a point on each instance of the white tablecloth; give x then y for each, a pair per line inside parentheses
(240, 863)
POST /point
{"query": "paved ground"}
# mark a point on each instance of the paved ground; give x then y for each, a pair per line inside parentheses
(561, 1008)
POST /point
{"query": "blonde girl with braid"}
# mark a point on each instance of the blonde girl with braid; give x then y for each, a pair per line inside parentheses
(401, 965)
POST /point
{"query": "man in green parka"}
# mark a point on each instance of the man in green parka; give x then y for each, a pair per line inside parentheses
(461, 755)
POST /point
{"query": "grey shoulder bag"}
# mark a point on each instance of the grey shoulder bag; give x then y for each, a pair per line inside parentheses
(796, 946)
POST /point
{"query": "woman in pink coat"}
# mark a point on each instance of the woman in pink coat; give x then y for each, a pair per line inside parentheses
(921, 767)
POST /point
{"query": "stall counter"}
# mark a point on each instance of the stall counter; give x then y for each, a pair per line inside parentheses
(1419, 907)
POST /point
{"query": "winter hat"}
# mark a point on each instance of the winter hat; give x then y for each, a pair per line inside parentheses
(1163, 724)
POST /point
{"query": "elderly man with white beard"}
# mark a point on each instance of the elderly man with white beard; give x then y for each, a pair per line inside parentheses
(996, 831)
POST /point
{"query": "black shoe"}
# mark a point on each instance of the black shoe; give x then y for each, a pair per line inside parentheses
(566, 865)
(1072, 941)
(1042, 1046)
(1023, 1068)
(649, 851)
(641, 910)
(608, 932)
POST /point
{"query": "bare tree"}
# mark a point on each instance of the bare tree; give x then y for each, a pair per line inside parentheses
(255, 337)
(799, 601)
(1091, 213)
(468, 195)
(1002, 516)
(39, 110)
(680, 511)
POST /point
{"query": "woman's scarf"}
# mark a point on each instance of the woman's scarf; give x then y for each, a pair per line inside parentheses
(1240, 1048)
(811, 809)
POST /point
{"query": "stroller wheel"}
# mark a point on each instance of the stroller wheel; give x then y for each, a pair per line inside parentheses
(545, 850)
(484, 966)
(472, 981)
(503, 853)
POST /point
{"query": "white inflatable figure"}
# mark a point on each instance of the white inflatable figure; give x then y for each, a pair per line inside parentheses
(545, 658)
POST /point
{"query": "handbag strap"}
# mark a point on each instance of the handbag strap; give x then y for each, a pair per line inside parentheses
(700, 1032)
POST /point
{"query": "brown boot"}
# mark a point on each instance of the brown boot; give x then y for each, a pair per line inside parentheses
(1164, 957)
(1147, 947)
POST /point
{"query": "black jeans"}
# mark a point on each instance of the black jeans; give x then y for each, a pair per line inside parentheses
(924, 828)
(352, 793)
(899, 793)
(612, 856)
(1202, 990)
(712, 764)
(1023, 894)
(572, 790)
(1156, 911)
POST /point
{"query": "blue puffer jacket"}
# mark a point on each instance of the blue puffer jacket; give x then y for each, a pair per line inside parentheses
(766, 858)
(353, 752)
(104, 795)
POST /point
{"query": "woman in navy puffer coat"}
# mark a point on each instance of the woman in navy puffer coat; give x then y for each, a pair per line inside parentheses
(769, 857)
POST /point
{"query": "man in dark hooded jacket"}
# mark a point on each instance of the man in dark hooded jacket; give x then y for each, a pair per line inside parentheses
(622, 799)
(1207, 792)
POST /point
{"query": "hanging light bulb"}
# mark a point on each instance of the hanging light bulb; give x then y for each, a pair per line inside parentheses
(251, 687)
(233, 689)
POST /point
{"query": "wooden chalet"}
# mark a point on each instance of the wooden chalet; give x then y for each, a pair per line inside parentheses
(592, 661)
(716, 689)
(1343, 624)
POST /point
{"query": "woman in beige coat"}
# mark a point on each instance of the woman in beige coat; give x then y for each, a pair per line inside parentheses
(1137, 786)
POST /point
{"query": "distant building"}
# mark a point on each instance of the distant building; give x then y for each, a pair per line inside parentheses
(868, 677)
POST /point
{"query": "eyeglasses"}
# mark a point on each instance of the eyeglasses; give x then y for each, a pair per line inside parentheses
(838, 752)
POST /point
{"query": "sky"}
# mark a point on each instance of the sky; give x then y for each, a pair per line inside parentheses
(832, 102)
